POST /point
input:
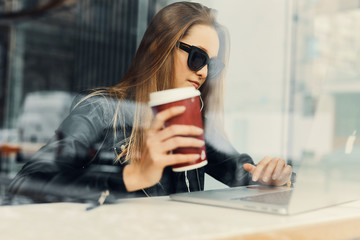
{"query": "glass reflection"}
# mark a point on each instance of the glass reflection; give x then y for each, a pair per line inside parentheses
(311, 114)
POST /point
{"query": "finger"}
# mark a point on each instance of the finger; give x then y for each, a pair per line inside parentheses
(269, 170)
(178, 142)
(174, 159)
(284, 176)
(249, 167)
(278, 169)
(164, 115)
(260, 167)
(176, 130)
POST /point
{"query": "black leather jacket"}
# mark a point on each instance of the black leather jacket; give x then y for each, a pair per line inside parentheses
(78, 163)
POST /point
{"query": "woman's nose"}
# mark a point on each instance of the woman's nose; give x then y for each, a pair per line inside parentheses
(203, 72)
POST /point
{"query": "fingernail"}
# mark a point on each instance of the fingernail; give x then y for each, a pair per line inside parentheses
(274, 177)
(255, 178)
(265, 179)
(181, 108)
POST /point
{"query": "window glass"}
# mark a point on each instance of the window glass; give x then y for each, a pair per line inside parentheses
(292, 86)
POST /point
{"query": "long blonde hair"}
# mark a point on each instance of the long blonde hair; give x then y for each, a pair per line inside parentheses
(153, 66)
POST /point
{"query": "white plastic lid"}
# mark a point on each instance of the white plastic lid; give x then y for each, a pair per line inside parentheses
(172, 95)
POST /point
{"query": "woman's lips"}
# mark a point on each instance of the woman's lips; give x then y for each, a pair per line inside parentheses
(195, 84)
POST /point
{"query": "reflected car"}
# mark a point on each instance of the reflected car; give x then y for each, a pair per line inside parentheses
(41, 114)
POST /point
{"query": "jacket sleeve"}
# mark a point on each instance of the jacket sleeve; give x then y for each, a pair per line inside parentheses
(68, 166)
(224, 163)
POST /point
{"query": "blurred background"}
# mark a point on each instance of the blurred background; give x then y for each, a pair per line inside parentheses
(288, 57)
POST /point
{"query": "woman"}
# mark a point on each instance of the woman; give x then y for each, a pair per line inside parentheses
(183, 46)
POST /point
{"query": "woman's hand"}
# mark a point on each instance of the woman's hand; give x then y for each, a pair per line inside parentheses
(159, 142)
(270, 171)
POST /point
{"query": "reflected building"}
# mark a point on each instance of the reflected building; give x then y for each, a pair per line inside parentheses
(81, 45)
(327, 70)
(4, 31)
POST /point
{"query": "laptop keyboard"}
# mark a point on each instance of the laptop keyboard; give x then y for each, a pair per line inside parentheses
(278, 198)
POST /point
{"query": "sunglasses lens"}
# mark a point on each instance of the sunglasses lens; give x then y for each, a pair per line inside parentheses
(197, 61)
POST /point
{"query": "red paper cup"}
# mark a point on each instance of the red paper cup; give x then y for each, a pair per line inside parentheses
(190, 98)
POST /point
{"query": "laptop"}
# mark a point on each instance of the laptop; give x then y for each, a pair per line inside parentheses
(328, 172)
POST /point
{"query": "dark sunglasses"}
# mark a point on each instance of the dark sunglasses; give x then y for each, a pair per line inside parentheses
(198, 58)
